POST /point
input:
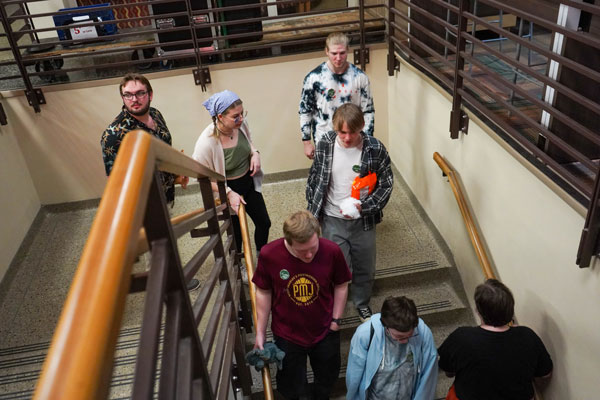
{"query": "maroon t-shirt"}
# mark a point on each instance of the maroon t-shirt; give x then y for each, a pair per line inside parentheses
(302, 293)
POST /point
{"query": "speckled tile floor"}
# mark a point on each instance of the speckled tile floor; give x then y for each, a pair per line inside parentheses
(36, 285)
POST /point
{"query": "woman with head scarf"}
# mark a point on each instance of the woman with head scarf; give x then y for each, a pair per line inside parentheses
(226, 147)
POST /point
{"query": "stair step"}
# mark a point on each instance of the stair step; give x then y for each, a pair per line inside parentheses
(20, 366)
(437, 304)
(383, 273)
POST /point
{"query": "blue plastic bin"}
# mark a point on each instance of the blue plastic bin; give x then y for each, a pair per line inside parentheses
(94, 16)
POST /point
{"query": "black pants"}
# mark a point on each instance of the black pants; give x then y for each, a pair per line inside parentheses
(324, 360)
(256, 209)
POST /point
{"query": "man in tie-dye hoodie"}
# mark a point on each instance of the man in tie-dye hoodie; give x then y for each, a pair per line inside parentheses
(327, 87)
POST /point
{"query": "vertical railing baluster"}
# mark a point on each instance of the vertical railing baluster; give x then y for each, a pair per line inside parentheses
(242, 305)
(179, 322)
(458, 118)
(589, 245)
(447, 32)
(214, 229)
(391, 62)
(29, 90)
(194, 36)
(145, 367)
(361, 12)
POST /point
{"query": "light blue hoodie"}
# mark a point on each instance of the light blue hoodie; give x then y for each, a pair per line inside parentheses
(362, 365)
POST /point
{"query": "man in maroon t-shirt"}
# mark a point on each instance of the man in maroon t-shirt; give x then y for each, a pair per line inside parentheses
(302, 280)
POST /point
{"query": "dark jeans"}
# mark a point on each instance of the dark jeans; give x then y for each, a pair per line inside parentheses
(255, 208)
(325, 362)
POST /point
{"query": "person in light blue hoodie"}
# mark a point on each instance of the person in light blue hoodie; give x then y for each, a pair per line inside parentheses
(392, 356)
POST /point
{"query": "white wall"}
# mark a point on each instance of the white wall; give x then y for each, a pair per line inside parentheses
(61, 144)
(19, 202)
(40, 7)
(532, 232)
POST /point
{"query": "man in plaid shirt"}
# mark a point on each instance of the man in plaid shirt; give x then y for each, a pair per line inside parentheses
(341, 156)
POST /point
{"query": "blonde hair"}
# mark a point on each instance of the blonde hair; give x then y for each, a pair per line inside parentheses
(300, 227)
(351, 114)
(337, 38)
(216, 131)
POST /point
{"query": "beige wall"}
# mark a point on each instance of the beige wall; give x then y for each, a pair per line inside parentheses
(62, 143)
(40, 7)
(532, 233)
(19, 202)
(531, 230)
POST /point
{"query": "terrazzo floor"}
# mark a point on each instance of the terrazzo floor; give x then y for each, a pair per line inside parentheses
(36, 284)
(35, 287)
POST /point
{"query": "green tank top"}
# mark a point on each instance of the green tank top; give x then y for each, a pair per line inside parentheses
(237, 159)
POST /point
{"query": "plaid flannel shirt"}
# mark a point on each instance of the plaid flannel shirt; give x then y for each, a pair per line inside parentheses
(374, 158)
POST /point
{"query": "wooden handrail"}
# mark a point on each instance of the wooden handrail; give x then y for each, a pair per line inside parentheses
(266, 373)
(466, 213)
(79, 362)
(472, 229)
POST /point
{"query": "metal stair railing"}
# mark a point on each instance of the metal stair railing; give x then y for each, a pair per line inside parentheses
(194, 363)
(473, 232)
(266, 373)
(468, 218)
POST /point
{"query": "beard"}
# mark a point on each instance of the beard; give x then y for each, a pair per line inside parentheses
(140, 111)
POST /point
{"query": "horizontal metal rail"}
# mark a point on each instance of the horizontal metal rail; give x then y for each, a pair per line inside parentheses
(502, 92)
(185, 47)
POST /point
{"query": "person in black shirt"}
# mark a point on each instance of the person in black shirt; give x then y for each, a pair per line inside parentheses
(496, 360)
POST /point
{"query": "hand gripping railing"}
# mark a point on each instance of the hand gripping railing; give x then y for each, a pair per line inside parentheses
(194, 364)
(266, 374)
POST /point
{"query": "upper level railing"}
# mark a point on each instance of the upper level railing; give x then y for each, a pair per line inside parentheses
(109, 40)
(193, 363)
(528, 68)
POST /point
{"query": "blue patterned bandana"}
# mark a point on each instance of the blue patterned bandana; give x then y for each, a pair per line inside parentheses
(219, 102)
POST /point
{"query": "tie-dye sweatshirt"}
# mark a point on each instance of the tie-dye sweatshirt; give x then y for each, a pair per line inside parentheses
(323, 92)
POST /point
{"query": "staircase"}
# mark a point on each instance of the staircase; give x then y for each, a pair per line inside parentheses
(411, 260)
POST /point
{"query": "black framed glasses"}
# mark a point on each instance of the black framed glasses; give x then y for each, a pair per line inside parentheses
(138, 95)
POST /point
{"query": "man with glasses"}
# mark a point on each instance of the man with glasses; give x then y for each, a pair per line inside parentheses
(392, 356)
(136, 113)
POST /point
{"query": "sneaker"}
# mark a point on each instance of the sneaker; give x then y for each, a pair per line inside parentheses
(193, 285)
(244, 273)
(364, 313)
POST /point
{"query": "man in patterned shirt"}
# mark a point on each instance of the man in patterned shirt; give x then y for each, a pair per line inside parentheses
(342, 155)
(136, 113)
(327, 87)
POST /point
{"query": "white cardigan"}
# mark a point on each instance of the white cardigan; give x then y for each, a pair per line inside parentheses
(209, 152)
